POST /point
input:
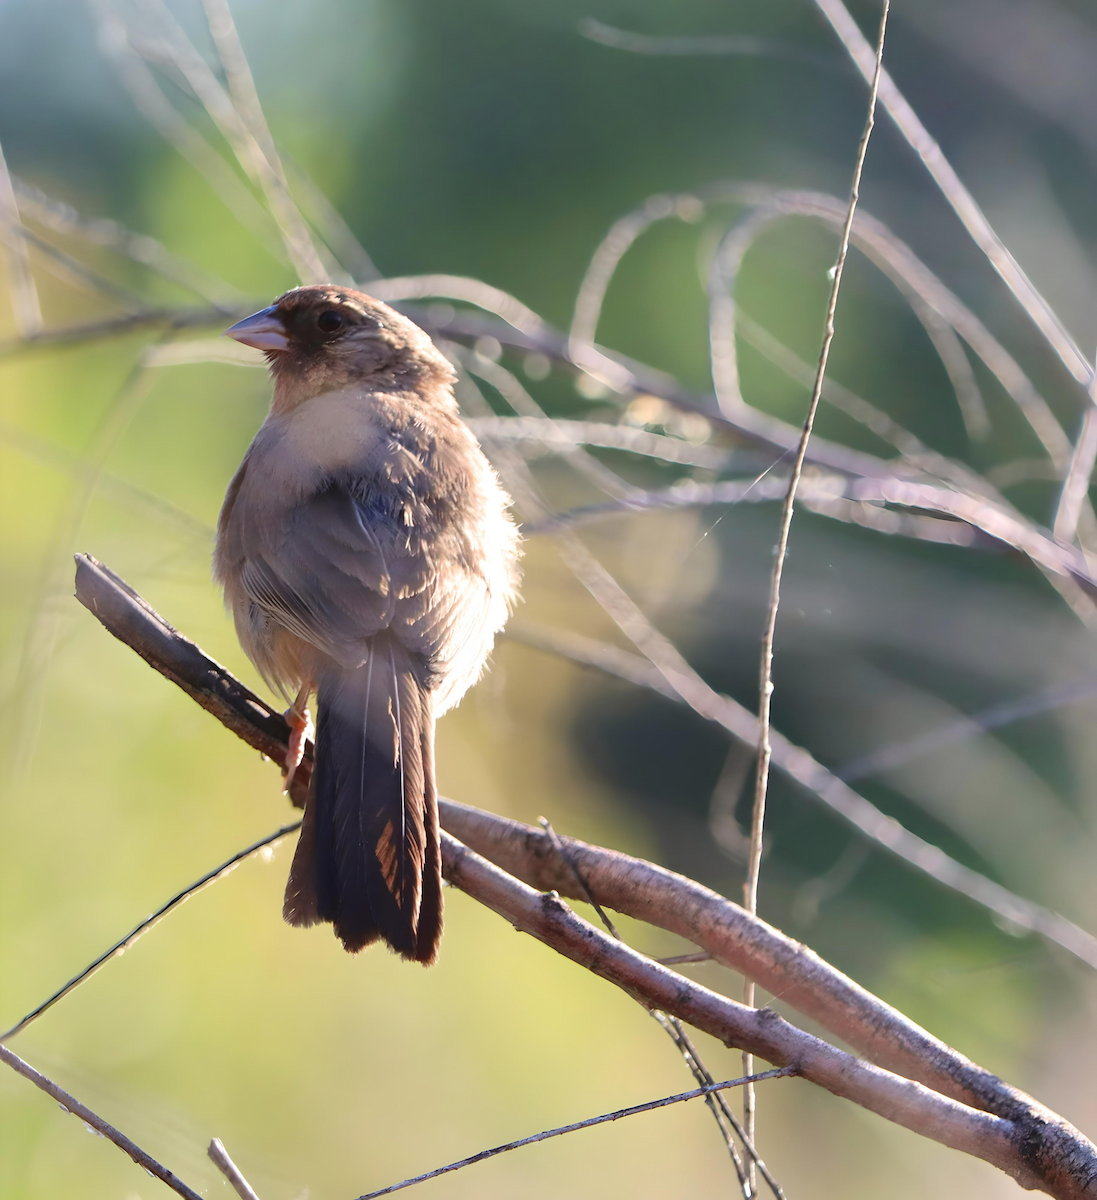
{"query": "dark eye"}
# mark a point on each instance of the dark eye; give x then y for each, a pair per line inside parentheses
(330, 321)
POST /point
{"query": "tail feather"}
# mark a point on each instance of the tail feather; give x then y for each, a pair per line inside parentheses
(368, 860)
(429, 933)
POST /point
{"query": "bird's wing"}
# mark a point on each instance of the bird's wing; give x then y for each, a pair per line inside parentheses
(338, 570)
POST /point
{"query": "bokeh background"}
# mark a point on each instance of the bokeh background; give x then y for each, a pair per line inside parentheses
(492, 139)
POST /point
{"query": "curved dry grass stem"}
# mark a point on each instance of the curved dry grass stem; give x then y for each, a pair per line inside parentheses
(765, 751)
(269, 167)
(744, 44)
(561, 431)
(507, 384)
(43, 625)
(826, 492)
(24, 295)
(64, 219)
(1075, 492)
(945, 318)
(149, 100)
(934, 305)
(234, 124)
(459, 287)
(912, 449)
(351, 255)
(823, 785)
(952, 188)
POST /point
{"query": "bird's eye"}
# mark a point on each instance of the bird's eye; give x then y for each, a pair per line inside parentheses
(329, 321)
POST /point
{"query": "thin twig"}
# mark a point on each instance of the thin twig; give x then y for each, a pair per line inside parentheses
(219, 1156)
(119, 490)
(648, 1106)
(995, 717)
(125, 323)
(765, 751)
(588, 895)
(703, 1076)
(66, 267)
(96, 1122)
(676, 960)
(124, 943)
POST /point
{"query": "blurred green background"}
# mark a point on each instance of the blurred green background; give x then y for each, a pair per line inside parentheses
(489, 138)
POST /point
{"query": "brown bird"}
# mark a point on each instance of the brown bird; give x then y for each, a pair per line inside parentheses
(366, 553)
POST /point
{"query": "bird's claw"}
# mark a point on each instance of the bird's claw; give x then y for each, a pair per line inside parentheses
(300, 724)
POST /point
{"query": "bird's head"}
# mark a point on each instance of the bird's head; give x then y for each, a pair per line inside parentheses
(325, 338)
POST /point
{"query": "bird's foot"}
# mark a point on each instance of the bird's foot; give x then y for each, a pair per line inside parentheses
(300, 724)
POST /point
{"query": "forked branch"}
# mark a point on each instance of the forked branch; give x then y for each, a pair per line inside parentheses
(914, 1079)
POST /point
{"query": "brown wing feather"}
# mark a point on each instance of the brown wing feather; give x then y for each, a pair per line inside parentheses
(368, 860)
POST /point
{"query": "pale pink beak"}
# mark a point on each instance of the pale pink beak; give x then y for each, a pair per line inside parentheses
(263, 330)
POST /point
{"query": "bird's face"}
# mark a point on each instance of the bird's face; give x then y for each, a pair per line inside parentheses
(324, 338)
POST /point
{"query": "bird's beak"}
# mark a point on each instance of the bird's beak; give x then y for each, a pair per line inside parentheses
(263, 330)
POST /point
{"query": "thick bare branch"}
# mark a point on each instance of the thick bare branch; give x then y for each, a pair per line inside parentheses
(972, 1110)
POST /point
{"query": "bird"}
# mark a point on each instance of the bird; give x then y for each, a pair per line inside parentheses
(367, 553)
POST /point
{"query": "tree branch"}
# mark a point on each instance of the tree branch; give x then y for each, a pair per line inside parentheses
(944, 1096)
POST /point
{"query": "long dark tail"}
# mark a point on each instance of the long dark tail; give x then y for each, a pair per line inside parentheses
(368, 859)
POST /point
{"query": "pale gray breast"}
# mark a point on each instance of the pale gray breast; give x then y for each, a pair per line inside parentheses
(344, 521)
